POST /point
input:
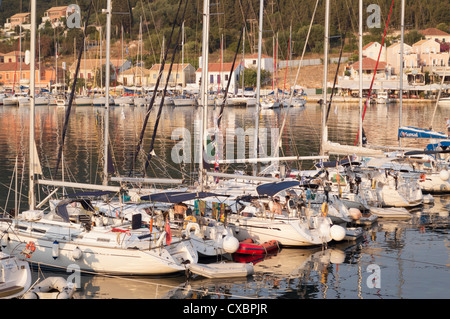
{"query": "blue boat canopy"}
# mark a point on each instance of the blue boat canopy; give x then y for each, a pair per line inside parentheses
(178, 197)
(414, 132)
(344, 162)
(272, 189)
(61, 207)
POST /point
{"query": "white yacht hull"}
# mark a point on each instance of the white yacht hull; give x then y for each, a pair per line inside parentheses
(15, 277)
(107, 259)
(11, 101)
(121, 100)
(84, 101)
(185, 102)
(287, 231)
(434, 184)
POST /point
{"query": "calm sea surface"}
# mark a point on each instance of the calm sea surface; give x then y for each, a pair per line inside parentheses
(411, 257)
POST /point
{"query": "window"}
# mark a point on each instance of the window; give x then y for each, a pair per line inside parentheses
(211, 78)
(254, 62)
(226, 77)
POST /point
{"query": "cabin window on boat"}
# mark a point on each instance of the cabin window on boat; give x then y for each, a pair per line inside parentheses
(36, 230)
(21, 227)
(106, 240)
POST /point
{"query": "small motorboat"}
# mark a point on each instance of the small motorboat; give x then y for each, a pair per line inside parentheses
(254, 259)
(366, 219)
(390, 212)
(250, 247)
(51, 288)
(222, 270)
(15, 276)
(353, 233)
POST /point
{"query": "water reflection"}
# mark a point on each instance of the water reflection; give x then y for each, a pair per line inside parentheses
(413, 255)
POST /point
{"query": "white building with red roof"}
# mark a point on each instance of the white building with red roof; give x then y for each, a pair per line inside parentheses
(219, 74)
(435, 34)
(372, 50)
(251, 61)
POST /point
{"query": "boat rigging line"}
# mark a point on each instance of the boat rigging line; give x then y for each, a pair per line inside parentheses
(69, 107)
(158, 117)
(150, 106)
(375, 72)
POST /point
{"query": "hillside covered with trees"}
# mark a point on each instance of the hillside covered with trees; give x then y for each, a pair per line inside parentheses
(282, 18)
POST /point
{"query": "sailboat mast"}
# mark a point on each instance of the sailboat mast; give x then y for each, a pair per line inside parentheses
(121, 45)
(402, 29)
(182, 58)
(142, 44)
(325, 75)
(360, 71)
(32, 197)
(204, 88)
(243, 61)
(107, 80)
(258, 84)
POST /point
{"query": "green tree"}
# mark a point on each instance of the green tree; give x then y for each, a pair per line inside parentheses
(412, 37)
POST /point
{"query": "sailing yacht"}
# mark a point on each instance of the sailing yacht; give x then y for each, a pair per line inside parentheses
(62, 240)
(86, 240)
(293, 226)
(11, 100)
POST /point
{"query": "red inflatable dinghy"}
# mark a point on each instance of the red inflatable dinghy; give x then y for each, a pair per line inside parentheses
(249, 247)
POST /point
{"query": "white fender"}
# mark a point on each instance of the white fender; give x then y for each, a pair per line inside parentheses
(444, 175)
(337, 232)
(4, 239)
(230, 244)
(55, 249)
(77, 253)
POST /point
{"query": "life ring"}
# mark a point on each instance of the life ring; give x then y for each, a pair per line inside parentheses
(31, 246)
(194, 226)
(324, 209)
(422, 177)
(188, 220)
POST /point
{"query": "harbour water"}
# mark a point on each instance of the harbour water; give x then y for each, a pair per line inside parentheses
(395, 259)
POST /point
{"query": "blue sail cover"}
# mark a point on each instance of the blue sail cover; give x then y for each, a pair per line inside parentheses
(177, 197)
(414, 132)
(272, 189)
(443, 145)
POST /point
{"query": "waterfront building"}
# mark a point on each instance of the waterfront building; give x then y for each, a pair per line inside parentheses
(181, 75)
(219, 75)
(435, 34)
(54, 15)
(18, 19)
(372, 50)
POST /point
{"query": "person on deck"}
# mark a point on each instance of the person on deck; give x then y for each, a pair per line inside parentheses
(276, 207)
(180, 210)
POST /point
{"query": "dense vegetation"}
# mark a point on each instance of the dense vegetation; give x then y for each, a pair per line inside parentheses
(227, 18)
